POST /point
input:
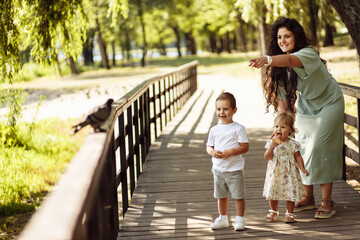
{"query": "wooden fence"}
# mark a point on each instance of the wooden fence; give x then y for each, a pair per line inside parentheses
(351, 150)
(85, 202)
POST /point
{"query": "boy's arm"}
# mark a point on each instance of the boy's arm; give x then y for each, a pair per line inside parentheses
(300, 162)
(210, 150)
(243, 148)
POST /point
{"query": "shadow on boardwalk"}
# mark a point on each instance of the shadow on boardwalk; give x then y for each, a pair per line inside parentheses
(174, 196)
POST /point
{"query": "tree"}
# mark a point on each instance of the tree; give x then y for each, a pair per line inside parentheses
(139, 4)
(88, 47)
(349, 14)
(311, 5)
(44, 24)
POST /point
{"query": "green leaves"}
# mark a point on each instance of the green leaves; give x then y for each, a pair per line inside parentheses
(46, 25)
(9, 41)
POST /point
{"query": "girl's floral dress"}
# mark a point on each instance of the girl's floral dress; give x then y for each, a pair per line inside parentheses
(283, 181)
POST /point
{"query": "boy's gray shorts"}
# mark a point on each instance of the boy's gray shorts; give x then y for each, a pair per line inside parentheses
(225, 182)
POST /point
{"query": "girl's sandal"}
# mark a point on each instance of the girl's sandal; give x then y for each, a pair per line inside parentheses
(289, 218)
(272, 215)
(325, 213)
(306, 203)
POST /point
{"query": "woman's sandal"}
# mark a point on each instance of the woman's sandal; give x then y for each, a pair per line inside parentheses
(289, 218)
(306, 203)
(272, 215)
(323, 212)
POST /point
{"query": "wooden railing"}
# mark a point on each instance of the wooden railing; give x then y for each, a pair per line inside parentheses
(349, 151)
(85, 202)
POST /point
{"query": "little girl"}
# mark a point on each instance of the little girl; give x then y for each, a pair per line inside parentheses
(283, 181)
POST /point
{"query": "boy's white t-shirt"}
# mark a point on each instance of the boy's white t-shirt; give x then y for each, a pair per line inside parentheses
(227, 136)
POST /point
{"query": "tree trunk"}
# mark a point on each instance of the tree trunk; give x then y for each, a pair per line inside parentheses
(58, 65)
(72, 65)
(240, 33)
(220, 45)
(102, 47)
(161, 47)
(88, 47)
(142, 23)
(351, 43)
(227, 42)
(263, 38)
(212, 40)
(252, 36)
(113, 53)
(234, 41)
(127, 45)
(314, 40)
(349, 13)
(178, 39)
(328, 39)
(190, 43)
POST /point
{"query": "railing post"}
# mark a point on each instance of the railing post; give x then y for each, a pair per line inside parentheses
(114, 211)
(154, 110)
(123, 164)
(160, 94)
(147, 121)
(137, 135)
(143, 127)
(129, 132)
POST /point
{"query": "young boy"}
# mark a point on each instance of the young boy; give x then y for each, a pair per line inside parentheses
(226, 142)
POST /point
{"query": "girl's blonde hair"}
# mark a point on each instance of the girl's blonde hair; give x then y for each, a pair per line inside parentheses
(288, 119)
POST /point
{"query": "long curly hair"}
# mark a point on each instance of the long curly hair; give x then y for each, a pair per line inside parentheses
(278, 76)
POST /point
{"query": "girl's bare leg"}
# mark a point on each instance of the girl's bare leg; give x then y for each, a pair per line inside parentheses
(273, 204)
(290, 206)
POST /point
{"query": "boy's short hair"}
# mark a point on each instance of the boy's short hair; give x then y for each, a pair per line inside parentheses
(229, 97)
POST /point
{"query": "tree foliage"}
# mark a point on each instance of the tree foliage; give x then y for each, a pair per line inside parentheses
(48, 27)
(43, 24)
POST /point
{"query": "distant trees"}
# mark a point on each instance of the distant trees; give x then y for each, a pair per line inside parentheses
(46, 28)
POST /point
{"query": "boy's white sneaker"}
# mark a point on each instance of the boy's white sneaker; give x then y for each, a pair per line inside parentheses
(239, 224)
(220, 222)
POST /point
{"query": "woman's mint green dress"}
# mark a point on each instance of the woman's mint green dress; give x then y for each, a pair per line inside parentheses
(319, 119)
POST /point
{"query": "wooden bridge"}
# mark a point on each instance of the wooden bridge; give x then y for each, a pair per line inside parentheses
(163, 181)
(174, 195)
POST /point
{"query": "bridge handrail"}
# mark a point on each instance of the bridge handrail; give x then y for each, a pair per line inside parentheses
(352, 91)
(84, 203)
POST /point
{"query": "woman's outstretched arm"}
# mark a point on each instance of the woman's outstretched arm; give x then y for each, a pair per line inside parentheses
(283, 60)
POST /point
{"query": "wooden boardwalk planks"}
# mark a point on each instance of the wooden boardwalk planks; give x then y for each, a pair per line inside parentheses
(174, 196)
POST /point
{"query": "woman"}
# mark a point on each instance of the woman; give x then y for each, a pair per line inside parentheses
(295, 72)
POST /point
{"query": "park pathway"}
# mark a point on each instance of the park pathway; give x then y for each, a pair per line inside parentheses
(174, 195)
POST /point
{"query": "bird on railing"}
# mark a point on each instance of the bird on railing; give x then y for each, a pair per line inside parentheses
(96, 117)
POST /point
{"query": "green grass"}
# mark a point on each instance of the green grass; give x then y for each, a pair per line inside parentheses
(32, 159)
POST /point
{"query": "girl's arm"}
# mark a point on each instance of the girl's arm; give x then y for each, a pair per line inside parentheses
(282, 60)
(300, 162)
(243, 148)
(269, 153)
